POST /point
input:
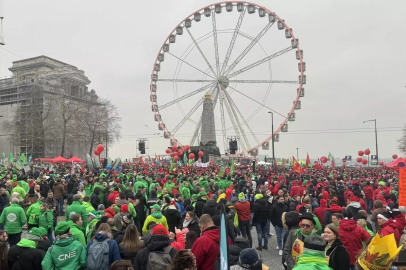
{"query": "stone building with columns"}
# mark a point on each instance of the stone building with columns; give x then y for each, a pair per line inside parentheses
(29, 100)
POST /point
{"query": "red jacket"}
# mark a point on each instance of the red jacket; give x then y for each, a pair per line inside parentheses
(348, 193)
(296, 190)
(229, 193)
(326, 195)
(388, 228)
(377, 192)
(109, 213)
(319, 211)
(369, 192)
(298, 207)
(179, 244)
(400, 223)
(363, 204)
(206, 248)
(112, 197)
(243, 211)
(352, 236)
(276, 188)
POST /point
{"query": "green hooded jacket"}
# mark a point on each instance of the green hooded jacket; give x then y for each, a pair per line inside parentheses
(33, 212)
(101, 193)
(312, 260)
(90, 228)
(24, 185)
(185, 191)
(65, 254)
(78, 232)
(158, 218)
(79, 209)
(89, 190)
(88, 207)
(13, 218)
(26, 243)
(46, 219)
(20, 191)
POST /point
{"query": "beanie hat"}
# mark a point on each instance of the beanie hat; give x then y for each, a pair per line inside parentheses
(258, 196)
(216, 220)
(156, 207)
(249, 259)
(124, 208)
(213, 197)
(160, 229)
(36, 234)
(234, 200)
(314, 243)
(241, 197)
(101, 207)
(292, 218)
(62, 228)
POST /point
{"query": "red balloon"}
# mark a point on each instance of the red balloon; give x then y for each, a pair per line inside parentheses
(359, 160)
(187, 147)
(364, 161)
(367, 152)
(344, 160)
(100, 147)
(180, 153)
(96, 152)
(168, 151)
(174, 148)
(173, 154)
(394, 156)
(381, 163)
(191, 156)
(323, 159)
(360, 153)
(200, 154)
(176, 158)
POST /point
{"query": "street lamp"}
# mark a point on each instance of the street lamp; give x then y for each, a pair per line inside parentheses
(273, 145)
(376, 137)
(297, 153)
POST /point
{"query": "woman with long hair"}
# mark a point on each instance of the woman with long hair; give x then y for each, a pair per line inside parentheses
(104, 234)
(131, 243)
(3, 251)
(183, 260)
(191, 237)
(335, 251)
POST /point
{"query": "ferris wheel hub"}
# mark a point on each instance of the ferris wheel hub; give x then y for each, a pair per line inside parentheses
(223, 81)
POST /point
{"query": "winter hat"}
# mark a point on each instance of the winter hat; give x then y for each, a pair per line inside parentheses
(160, 229)
(307, 216)
(213, 197)
(185, 230)
(249, 259)
(124, 208)
(216, 220)
(234, 200)
(156, 207)
(36, 234)
(62, 228)
(101, 207)
(258, 196)
(292, 218)
(93, 214)
(187, 202)
(241, 197)
(314, 243)
(386, 216)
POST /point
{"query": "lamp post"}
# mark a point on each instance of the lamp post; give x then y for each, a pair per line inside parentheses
(273, 145)
(297, 153)
(376, 137)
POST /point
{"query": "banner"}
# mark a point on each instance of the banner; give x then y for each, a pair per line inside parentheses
(223, 241)
(348, 158)
(402, 186)
(374, 160)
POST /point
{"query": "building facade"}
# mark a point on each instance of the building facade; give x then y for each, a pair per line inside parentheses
(35, 103)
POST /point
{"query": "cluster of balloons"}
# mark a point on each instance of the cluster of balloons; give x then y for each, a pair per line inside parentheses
(98, 150)
(175, 152)
(361, 154)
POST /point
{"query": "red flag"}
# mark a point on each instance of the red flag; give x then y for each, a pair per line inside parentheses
(141, 161)
(307, 160)
(332, 164)
(211, 162)
(296, 166)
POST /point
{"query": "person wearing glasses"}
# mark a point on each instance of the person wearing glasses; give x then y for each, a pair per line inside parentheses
(295, 241)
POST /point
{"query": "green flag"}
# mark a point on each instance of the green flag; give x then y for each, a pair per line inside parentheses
(172, 164)
(3, 160)
(221, 171)
(330, 157)
(232, 167)
(185, 159)
(10, 158)
(23, 158)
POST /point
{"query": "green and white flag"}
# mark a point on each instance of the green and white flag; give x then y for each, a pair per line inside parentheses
(11, 158)
(330, 157)
(3, 159)
(232, 170)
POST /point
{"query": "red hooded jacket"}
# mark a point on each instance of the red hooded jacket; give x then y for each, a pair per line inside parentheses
(207, 248)
(112, 197)
(352, 236)
(109, 213)
(296, 190)
(229, 193)
(388, 228)
(326, 195)
(369, 192)
(319, 211)
(400, 223)
(298, 207)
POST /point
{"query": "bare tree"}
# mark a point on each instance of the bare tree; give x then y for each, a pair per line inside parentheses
(99, 123)
(402, 141)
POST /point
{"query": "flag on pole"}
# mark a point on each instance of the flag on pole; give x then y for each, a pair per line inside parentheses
(333, 165)
(3, 159)
(296, 166)
(330, 156)
(185, 159)
(223, 241)
(11, 158)
(172, 164)
(307, 160)
(232, 170)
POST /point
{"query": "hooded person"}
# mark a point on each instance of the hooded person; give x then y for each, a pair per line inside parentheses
(172, 216)
(26, 255)
(398, 217)
(244, 216)
(321, 210)
(95, 197)
(155, 216)
(67, 247)
(334, 208)
(260, 220)
(313, 256)
(200, 202)
(388, 226)
(210, 207)
(249, 259)
(33, 213)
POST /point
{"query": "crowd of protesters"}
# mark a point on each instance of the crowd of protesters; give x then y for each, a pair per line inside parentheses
(148, 217)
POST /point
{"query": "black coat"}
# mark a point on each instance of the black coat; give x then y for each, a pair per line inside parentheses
(192, 226)
(44, 188)
(339, 258)
(210, 208)
(276, 214)
(199, 206)
(157, 243)
(24, 258)
(3, 202)
(261, 211)
(172, 218)
(94, 199)
(292, 205)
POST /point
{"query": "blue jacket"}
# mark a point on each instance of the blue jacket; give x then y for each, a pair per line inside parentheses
(180, 207)
(114, 251)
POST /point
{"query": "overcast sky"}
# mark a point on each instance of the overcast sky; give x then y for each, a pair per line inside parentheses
(354, 51)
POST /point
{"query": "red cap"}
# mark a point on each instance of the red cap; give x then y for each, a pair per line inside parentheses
(160, 229)
(124, 208)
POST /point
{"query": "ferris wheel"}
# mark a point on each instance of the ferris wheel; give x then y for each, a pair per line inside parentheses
(241, 55)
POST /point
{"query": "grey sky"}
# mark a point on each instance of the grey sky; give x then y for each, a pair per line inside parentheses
(354, 52)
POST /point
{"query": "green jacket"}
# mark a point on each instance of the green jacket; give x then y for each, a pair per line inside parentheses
(131, 209)
(65, 254)
(311, 260)
(79, 209)
(90, 228)
(77, 232)
(20, 191)
(101, 193)
(24, 185)
(185, 191)
(161, 220)
(33, 212)
(13, 218)
(89, 190)
(318, 225)
(88, 207)
(169, 186)
(46, 219)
